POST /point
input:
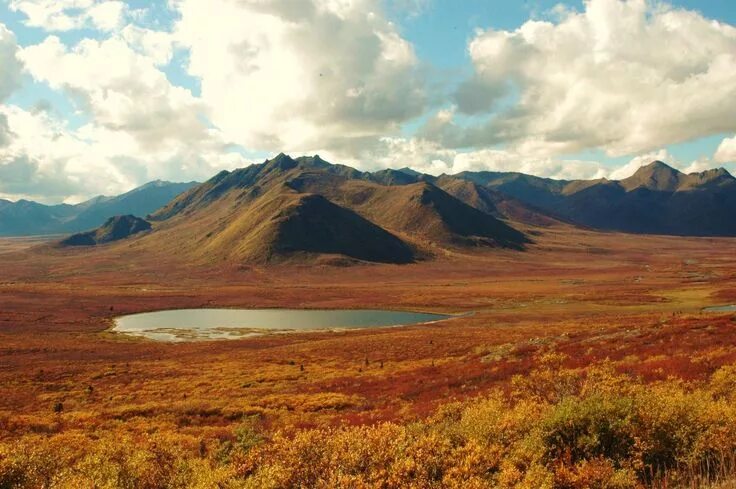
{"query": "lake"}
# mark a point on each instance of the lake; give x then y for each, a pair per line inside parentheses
(720, 308)
(212, 324)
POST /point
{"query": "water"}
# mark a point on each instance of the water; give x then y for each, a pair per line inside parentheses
(720, 308)
(209, 324)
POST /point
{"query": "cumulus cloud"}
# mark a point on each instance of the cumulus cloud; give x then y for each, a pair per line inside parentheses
(65, 15)
(156, 45)
(130, 95)
(431, 157)
(140, 126)
(48, 162)
(287, 76)
(336, 77)
(40, 161)
(10, 66)
(626, 76)
(726, 152)
(5, 133)
(637, 162)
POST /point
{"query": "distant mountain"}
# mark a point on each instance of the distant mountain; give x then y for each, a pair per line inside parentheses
(114, 229)
(26, 217)
(657, 199)
(23, 218)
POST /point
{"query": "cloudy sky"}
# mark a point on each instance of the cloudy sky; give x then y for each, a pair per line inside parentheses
(99, 96)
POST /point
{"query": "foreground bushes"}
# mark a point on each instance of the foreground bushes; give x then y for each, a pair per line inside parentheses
(584, 429)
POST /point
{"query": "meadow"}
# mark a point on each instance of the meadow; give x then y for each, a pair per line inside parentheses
(586, 362)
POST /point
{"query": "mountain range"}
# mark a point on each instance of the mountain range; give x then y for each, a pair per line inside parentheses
(306, 207)
(657, 199)
(25, 217)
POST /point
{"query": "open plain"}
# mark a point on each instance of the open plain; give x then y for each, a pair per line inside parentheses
(631, 302)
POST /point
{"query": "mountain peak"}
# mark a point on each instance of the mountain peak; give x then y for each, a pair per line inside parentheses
(708, 178)
(658, 168)
(409, 171)
(657, 175)
(282, 162)
(716, 173)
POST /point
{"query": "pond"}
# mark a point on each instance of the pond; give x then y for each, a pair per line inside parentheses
(730, 308)
(211, 324)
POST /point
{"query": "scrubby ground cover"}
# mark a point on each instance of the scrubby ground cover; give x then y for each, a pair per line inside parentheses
(587, 363)
(554, 427)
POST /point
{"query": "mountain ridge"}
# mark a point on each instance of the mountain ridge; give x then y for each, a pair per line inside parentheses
(656, 199)
(25, 217)
(250, 214)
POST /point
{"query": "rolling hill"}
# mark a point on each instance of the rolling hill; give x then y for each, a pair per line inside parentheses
(114, 229)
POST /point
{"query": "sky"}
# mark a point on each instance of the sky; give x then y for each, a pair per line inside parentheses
(100, 96)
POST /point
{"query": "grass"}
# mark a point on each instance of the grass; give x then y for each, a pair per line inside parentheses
(556, 331)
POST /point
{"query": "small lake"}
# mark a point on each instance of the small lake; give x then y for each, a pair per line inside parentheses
(730, 308)
(224, 324)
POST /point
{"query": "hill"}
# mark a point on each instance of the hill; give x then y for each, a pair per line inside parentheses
(114, 229)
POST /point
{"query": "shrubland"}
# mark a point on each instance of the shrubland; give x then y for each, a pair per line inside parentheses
(590, 427)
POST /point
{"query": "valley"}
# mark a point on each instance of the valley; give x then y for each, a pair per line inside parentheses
(631, 302)
(544, 310)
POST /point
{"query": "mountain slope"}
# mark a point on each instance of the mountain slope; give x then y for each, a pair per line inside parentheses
(288, 207)
(23, 218)
(114, 229)
(657, 199)
(274, 225)
(309, 223)
(416, 211)
(140, 201)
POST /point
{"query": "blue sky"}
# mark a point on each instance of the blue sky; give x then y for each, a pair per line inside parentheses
(110, 94)
(441, 30)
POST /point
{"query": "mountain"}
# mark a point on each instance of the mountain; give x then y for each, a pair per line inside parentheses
(114, 229)
(657, 199)
(494, 202)
(419, 210)
(140, 201)
(310, 223)
(286, 208)
(26, 217)
(23, 218)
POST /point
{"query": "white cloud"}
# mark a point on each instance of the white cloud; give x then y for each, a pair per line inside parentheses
(65, 15)
(637, 162)
(129, 94)
(506, 161)
(726, 152)
(431, 157)
(10, 66)
(43, 161)
(48, 162)
(156, 45)
(141, 127)
(625, 76)
(698, 166)
(335, 77)
(293, 75)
